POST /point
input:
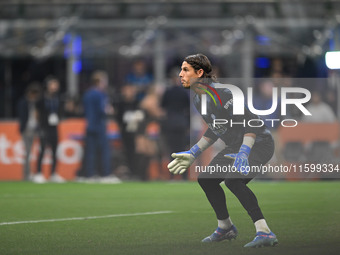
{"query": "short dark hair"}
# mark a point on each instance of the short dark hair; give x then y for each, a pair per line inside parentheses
(200, 61)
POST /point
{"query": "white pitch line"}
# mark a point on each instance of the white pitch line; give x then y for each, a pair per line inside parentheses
(84, 218)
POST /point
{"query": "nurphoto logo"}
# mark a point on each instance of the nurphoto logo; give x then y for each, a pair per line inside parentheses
(238, 102)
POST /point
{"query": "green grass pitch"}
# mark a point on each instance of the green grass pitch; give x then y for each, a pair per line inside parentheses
(304, 215)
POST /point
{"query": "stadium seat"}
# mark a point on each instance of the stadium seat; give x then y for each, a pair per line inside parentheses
(293, 152)
(320, 152)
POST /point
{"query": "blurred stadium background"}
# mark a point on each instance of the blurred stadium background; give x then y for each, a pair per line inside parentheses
(280, 43)
(244, 39)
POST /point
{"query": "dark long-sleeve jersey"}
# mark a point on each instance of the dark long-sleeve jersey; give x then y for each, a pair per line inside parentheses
(46, 106)
(236, 126)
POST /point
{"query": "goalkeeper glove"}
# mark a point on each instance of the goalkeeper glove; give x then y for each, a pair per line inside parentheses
(183, 160)
(241, 159)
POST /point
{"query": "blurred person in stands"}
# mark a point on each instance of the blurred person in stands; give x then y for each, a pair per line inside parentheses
(292, 112)
(71, 108)
(175, 126)
(147, 136)
(129, 115)
(96, 109)
(49, 115)
(140, 78)
(331, 100)
(321, 112)
(28, 122)
(264, 100)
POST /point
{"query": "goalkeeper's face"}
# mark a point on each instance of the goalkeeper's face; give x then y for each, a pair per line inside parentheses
(189, 75)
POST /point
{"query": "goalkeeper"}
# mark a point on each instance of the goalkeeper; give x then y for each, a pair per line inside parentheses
(245, 146)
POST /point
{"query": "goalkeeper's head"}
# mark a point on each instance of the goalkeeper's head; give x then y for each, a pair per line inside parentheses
(196, 68)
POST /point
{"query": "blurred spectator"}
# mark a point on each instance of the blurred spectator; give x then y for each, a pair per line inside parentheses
(96, 109)
(331, 100)
(276, 68)
(321, 112)
(129, 116)
(28, 122)
(175, 126)
(147, 137)
(71, 108)
(292, 112)
(140, 78)
(49, 114)
(264, 101)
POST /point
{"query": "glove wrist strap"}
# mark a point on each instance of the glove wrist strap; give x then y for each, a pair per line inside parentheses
(199, 147)
(195, 151)
(246, 149)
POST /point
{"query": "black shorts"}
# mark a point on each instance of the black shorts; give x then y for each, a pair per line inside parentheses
(259, 155)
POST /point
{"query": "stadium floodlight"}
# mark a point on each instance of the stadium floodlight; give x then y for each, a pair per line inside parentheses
(332, 59)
